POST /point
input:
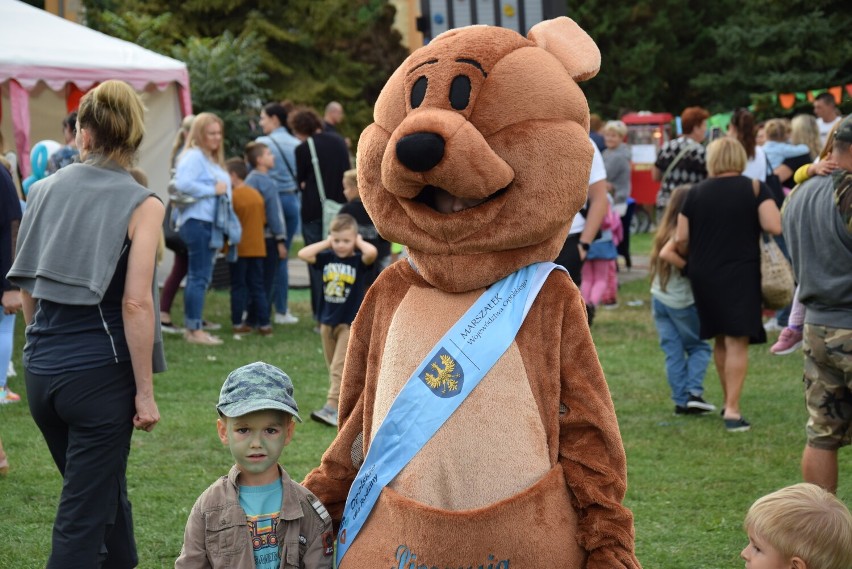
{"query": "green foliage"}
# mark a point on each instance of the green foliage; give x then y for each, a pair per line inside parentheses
(225, 80)
(665, 55)
(310, 51)
(778, 47)
(689, 482)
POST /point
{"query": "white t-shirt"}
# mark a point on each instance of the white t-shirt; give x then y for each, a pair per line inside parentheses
(824, 127)
(597, 174)
(757, 166)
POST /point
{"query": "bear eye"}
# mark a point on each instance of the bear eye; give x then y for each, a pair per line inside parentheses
(460, 92)
(418, 92)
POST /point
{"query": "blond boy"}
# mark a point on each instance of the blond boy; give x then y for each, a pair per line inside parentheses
(343, 259)
(798, 527)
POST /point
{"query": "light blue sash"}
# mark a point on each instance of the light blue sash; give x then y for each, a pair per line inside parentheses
(442, 381)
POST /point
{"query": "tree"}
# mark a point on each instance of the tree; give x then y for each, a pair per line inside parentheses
(779, 47)
(225, 79)
(650, 50)
(670, 54)
(311, 51)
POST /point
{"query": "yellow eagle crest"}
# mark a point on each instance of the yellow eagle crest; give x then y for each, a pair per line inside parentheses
(445, 378)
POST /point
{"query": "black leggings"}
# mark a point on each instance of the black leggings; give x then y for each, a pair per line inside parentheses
(569, 258)
(86, 418)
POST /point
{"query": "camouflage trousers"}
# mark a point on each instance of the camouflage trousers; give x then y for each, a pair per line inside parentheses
(828, 386)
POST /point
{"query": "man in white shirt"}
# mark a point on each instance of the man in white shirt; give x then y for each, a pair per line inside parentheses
(827, 114)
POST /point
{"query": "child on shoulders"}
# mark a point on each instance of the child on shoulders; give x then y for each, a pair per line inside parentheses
(343, 259)
(776, 147)
(260, 516)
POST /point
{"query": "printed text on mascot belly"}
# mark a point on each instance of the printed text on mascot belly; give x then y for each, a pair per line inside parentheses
(407, 559)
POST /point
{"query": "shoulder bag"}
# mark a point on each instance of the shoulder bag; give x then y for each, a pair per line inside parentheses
(773, 182)
(776, 275)
(330, 208)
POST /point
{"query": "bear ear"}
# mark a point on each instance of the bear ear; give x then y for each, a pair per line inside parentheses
(570, 44)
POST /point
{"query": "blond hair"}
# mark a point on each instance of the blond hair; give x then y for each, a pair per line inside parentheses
(180, 137)
(776, 130)
(828, 147)
(344, 222)
(114, 116)
(350, 178)
(196, 134)
(617, 127)
(725, 154)
(665, 231)
(804, 130)
(804, 521)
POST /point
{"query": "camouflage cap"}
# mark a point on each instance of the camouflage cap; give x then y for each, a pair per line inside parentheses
(256, 387)
(844, 130)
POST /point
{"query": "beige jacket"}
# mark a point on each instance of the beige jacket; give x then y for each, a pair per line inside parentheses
(217, 533)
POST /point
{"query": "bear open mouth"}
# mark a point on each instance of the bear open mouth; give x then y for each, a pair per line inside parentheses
(431, 195)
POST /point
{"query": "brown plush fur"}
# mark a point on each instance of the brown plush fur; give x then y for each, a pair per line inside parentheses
(530, 470)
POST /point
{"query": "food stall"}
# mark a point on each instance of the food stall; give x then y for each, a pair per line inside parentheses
(646, 134)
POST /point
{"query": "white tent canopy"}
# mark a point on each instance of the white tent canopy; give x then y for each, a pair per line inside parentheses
(45, 58)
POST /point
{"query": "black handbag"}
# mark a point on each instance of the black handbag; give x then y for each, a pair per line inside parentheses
(172, 237)
(773, 182)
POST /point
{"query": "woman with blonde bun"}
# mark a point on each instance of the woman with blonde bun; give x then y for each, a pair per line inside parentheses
(86, 268)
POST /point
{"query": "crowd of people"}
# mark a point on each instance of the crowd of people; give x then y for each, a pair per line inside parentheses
(715, 202)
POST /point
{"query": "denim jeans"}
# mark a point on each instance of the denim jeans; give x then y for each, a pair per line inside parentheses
(312, 232)
(291, 206)
(7, 336)
(269, 269)
(247, 283)
(196, 234)
(687, 355)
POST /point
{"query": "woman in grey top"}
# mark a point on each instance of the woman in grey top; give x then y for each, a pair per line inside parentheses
(85, 265)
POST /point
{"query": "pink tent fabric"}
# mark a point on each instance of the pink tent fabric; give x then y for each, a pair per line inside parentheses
(36, 46)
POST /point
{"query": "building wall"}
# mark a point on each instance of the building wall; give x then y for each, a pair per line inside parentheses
(407, 12)
(68, 9)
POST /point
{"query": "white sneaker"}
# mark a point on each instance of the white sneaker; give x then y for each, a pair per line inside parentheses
(772, 325)
(286, 318)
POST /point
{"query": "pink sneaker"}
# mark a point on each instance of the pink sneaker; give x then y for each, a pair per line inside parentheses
(8, 396)
(788, 342)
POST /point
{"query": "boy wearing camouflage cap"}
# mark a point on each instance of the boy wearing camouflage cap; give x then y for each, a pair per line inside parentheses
(256, 517)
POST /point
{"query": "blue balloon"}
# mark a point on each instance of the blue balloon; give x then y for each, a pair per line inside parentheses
(38, 160)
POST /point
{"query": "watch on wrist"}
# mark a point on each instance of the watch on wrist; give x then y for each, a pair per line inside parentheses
(585, 246)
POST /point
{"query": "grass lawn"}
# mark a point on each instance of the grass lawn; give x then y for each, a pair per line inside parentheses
(690, 482)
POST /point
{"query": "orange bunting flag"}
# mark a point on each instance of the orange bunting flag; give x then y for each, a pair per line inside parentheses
(787, 100)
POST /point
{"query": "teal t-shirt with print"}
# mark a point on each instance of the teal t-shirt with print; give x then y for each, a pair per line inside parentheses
(262, 505)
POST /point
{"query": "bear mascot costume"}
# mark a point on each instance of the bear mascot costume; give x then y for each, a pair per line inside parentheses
(476, 429)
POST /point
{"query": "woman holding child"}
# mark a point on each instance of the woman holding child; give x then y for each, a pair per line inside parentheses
(85, 265)
(718, 230)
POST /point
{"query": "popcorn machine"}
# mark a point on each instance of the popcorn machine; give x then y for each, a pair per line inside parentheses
(646, 134)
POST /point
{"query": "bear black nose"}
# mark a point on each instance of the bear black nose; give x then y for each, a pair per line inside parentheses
(420, 151)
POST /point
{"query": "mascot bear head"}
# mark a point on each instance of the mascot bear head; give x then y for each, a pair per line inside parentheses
(479, 155)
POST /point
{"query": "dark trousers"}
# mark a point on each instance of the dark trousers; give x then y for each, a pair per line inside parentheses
(247, 290)
(86, 418)
(312, 232)
(569, 258)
